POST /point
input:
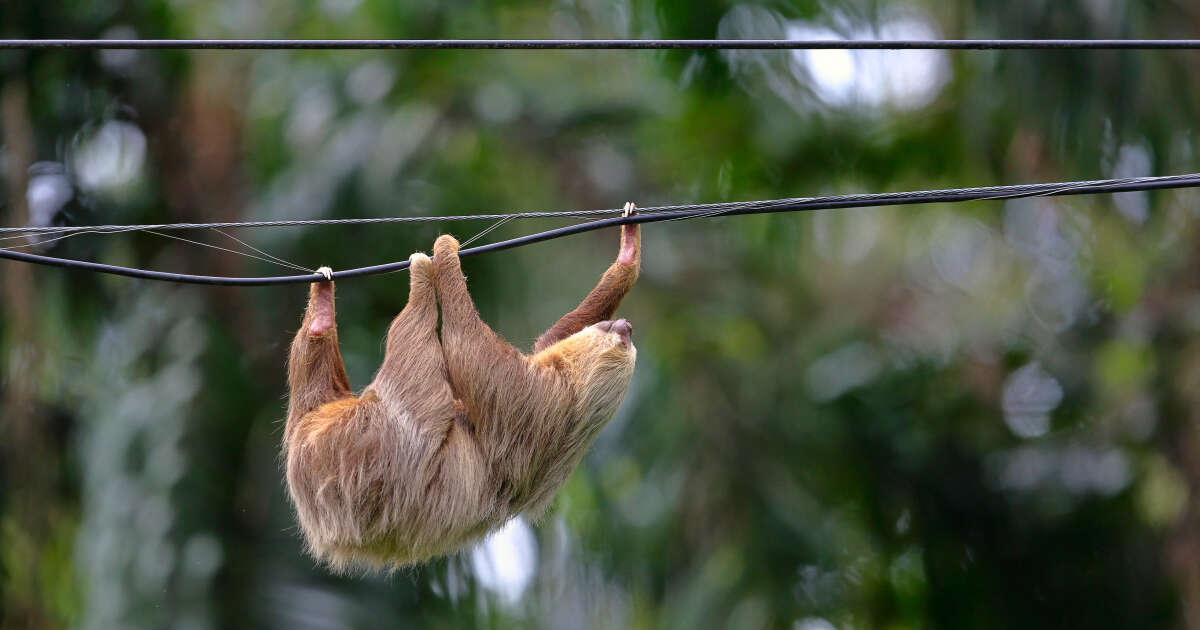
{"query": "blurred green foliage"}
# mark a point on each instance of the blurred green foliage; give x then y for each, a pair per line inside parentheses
(967, 416)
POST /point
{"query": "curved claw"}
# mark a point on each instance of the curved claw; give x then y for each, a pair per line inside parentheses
(327, 272)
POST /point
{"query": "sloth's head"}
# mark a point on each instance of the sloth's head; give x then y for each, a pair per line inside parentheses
(598, 361)
(609, 341)
(602, 367)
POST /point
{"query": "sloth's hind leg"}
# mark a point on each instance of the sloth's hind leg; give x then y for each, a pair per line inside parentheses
(490, 376)
(413, 375)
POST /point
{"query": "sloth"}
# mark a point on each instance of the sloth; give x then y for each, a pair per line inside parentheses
(455, 435)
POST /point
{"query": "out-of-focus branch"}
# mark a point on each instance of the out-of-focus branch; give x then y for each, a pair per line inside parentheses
(27, 466)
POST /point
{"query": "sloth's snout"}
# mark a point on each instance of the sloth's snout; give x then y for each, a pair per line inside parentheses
(621, 326)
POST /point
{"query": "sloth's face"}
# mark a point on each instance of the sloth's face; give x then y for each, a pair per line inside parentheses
(608, 347)
(609, 344)
(618, 332)
(603, 347)
(602, 367)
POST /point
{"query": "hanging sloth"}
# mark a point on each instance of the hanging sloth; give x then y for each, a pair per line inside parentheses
(456, 435)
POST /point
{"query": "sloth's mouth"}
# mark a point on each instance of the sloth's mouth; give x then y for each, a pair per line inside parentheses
(621, 327)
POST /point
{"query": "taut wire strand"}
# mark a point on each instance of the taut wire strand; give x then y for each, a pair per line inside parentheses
(304, 222)
(867, 199)
(646, 215)
(601, 44)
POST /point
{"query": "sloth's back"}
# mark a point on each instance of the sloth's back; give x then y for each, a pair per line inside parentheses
(380, 487)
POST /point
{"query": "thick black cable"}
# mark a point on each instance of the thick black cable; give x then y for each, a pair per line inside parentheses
(794, 202)
(658, 214)
(601, 44)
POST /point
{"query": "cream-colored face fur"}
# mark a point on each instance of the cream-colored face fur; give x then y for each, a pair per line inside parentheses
(601, 364)
(458, 432)
(606, 346)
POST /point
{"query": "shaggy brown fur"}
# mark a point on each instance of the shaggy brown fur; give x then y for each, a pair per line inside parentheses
(454, 436)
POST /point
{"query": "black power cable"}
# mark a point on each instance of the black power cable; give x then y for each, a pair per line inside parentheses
(1162, 181)
(602, 44)
(665, 213)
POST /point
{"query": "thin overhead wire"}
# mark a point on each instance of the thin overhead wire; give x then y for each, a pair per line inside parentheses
(484, 232)
(265, 257)
(601, 44)
(648, 215)
(277, 260)
(303, 222)
(680, 211)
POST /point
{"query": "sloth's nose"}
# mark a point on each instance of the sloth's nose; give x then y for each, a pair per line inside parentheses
(622, 327)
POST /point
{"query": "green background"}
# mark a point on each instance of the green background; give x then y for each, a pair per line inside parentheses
(979, 415)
